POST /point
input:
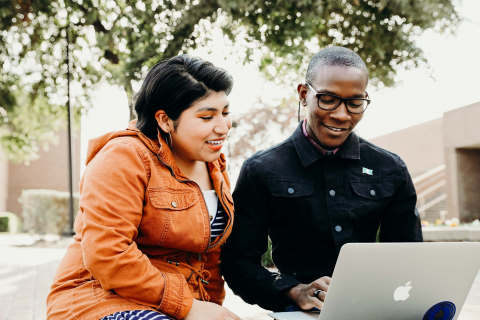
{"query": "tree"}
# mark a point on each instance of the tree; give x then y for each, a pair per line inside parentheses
(264, 125)
(118, 41)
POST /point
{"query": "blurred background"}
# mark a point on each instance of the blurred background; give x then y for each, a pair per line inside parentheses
(88, 57)
(422, 57)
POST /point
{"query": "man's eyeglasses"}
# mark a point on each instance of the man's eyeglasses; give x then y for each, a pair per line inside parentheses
(331, 102)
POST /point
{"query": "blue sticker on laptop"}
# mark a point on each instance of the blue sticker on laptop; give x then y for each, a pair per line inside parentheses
(441, 311)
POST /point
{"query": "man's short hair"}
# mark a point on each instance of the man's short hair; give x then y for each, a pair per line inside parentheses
(334, 56)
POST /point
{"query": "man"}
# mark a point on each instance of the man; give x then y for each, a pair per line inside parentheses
(321, 188)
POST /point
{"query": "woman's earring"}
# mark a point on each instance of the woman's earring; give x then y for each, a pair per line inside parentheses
(171, 141)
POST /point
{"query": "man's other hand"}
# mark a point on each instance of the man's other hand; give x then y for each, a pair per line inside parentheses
(303, 294)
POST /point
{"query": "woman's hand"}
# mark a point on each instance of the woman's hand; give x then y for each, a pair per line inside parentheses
(202, 310)
(303, 294)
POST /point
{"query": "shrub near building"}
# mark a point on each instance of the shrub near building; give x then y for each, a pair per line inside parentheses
(10, 222)
(3, 224)
(46, 211)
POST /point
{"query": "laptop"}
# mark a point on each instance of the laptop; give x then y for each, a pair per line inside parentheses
(398, 281)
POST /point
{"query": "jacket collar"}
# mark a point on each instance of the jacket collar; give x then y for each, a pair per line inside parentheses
(308, 154)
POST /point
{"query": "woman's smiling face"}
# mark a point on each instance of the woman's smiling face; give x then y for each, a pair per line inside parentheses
(200, 131)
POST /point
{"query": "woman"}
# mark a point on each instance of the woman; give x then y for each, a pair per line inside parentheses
(155, 206)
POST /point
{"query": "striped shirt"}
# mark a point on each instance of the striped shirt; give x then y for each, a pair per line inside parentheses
(218, 224)
(136, 315)
(218, 217)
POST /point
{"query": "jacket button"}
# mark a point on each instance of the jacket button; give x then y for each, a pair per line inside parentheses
(332, 192)
(338, 228)
(174, 204)
(290, 190)
(373, 193)
(211, 218)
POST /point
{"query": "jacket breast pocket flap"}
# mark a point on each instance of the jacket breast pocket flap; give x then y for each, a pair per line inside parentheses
(170, 199)
(290, 189)
(373, 190)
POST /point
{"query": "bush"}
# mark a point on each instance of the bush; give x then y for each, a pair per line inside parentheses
(10, 222)
(46, 211)
(3, 224)
(267, 261)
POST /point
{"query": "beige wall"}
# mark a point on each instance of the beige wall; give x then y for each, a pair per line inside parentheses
(3, 181)
(461, 130)
(453, 140)
(48, 172)
(420, 146)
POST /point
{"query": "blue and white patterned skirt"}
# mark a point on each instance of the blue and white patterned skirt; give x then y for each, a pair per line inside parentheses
(136, 315)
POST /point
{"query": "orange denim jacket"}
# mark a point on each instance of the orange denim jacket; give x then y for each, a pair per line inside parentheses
(142, 234)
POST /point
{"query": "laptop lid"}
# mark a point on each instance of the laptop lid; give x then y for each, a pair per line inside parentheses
(399, 281)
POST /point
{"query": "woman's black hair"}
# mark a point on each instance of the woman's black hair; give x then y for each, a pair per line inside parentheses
(173, 85)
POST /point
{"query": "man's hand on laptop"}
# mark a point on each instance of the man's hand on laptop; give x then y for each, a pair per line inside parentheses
(304, 294)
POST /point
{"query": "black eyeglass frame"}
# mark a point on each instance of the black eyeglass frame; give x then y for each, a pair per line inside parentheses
(344, 100)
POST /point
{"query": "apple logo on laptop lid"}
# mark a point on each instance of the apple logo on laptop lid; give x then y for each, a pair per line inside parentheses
(401, 293)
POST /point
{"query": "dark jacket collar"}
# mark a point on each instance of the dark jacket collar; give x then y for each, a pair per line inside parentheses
(308, 154)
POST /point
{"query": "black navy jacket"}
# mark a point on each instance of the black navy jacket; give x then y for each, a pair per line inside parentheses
(310, 205)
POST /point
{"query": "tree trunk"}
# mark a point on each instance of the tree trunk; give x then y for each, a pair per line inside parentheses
(129, 90)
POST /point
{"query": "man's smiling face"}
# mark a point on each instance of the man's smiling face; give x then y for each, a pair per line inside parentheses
(331, 128)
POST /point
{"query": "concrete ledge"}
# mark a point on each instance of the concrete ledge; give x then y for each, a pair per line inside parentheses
(451, 234)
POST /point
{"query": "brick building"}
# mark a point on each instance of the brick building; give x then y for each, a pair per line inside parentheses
(447, 152)
(48, 172)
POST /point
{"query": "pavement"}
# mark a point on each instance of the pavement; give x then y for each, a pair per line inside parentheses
(28, 264)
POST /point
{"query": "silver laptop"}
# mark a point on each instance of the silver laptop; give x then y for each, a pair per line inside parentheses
(397, 281)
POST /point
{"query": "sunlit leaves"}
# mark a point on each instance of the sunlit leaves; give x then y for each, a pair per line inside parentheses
(119, 41)
(294, 30)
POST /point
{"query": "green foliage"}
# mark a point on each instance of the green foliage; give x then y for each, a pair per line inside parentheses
(11, 222)
(29, 126)
(119, 41)
(3, 224)
(382, 32)
(46, 211)
(267, 261)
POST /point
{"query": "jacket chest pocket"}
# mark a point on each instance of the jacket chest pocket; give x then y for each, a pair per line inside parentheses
(176, 220)
(169, 199)
(370, 198)
(291, 199)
